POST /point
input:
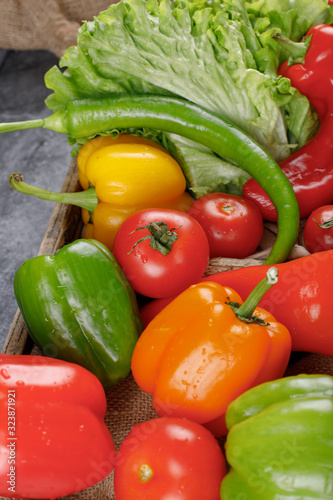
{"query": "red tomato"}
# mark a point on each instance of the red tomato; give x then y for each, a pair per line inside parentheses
(233, 224)
(316, 238)
(169, 459)
(149, 271)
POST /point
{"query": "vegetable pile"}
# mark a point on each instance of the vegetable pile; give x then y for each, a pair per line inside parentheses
(193, 124)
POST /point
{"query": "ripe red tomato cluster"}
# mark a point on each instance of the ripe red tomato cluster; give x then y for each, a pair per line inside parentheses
(162, 252)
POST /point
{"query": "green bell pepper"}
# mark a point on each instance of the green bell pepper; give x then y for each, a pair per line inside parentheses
(79, 307)
(280, 441)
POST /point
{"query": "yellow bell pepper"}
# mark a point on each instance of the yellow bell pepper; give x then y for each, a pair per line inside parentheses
(119, 177)
(129, 173)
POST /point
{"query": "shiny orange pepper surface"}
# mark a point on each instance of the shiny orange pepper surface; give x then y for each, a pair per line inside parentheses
(129, 173)
(196, 355)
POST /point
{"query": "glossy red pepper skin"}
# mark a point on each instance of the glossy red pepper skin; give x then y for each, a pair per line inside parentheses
(310, 169)
(53, 438)
(301, 299)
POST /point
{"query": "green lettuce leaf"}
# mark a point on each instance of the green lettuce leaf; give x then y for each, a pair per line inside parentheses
(193, 53)
(204, 171)
(204, 51)
(292, 17)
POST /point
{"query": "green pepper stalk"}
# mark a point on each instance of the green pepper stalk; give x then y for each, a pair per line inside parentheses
(245, 311)
(88, 117)
(296, 51)
(84, 199)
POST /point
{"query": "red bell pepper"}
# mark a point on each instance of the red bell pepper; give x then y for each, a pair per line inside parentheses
(301, 299)
(53, 438)
(310, 169)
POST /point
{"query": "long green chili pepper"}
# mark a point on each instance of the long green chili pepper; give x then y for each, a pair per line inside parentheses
(84, 118)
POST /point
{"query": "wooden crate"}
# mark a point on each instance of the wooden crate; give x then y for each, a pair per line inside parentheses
(126, 403)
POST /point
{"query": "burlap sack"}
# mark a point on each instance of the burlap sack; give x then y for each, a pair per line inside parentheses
(45, 24)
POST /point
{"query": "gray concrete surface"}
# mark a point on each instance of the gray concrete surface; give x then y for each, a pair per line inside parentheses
(43, 158)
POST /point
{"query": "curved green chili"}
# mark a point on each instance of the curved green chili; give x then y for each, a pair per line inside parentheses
(88, 117)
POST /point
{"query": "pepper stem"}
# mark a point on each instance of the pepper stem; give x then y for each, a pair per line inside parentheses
(295, 50)
(85, 199)
(9, 127)
(246, 310)
(55, 122)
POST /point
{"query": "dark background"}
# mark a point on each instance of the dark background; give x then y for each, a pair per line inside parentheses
(42, 156)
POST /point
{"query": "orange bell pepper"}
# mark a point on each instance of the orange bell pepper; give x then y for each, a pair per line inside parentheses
(202, 351)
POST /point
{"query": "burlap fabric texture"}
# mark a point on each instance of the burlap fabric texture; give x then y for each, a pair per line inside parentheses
(45, 24)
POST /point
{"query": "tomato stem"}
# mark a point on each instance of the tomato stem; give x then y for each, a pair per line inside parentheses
(161, 237)
(326, 224)
(145, 473)
(227, 208)
(245, 311)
